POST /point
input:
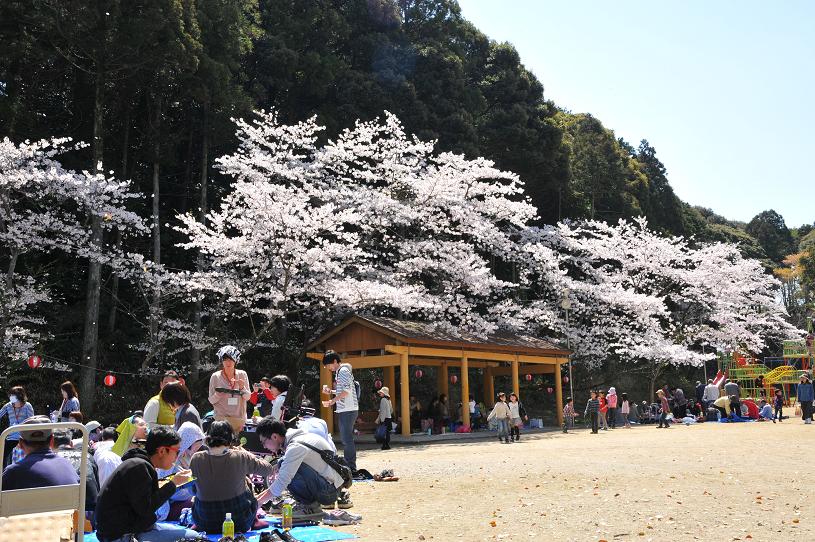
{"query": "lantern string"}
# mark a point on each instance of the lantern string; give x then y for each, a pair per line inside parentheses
(48, 357)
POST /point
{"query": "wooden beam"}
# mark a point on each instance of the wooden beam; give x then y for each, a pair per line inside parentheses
(390, 382)
(489, 388)
(325, 411)
(559, 398)
(516, 384)
(474, 355)
(525, 369)
(404, 378)
(465, 391)
(429, 362)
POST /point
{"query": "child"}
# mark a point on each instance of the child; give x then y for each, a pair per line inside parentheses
(517, 417)
(500, 413)
(625, 409)
(593, 409)
(611, 400)
(663, 416)
(779, 406)
(568, 415)
(765, 411)
(601, 398)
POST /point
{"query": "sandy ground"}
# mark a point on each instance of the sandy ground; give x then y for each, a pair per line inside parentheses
(712, 482)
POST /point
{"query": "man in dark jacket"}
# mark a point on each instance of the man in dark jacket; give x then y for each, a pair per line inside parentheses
(40, 467)
(129, 499)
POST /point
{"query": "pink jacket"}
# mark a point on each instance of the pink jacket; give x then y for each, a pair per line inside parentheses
(612, 400)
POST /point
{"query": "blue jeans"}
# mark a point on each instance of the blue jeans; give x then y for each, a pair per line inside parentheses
(308, 487)
(160, 532)
(346, 421)
(503, 428)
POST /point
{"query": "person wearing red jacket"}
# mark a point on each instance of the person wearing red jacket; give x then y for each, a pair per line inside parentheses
(262, 393)
(603, 410)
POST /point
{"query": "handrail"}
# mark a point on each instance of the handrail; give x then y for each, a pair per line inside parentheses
(83, 464)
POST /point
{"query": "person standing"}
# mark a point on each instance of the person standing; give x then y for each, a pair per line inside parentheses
(731, 389)
(229, 389)
(593, 410)
(625, 409)
(680, 404)
(710, 394)
(611, 400)
(346, 404)
(603, 410)
(385, 416)
(415, 414)
(666, 408)
(501, 414)
(262, 396)
(18, 410)
(70, 401)
(699, 392)
(157, 411)
(778, 402)
(517, 416)
(805, 397)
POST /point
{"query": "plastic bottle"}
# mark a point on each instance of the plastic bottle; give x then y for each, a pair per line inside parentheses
(256, 413)
(229, 526)
(287, 516)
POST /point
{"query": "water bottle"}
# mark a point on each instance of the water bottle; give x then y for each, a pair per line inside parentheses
(287, 516)
(229, 526)
(256, 413)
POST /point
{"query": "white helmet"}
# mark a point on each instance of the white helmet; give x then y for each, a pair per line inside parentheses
(228, 351)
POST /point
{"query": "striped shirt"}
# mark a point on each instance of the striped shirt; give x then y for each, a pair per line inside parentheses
(16, 416)
(345, 382)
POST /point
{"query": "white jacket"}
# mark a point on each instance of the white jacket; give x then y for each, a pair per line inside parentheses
(296, 454)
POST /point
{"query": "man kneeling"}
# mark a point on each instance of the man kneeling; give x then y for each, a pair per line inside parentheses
(310, 480)
(129, 499)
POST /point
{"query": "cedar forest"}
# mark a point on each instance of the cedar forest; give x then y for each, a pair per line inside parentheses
(151, 244)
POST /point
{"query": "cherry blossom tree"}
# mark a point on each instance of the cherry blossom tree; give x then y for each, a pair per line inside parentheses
(44, 209)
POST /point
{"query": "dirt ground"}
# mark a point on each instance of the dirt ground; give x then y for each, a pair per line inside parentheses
(711, 482)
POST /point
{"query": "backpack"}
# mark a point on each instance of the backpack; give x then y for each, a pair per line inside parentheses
(335, 462)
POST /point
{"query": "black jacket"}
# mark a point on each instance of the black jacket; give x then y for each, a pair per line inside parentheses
(129, 499)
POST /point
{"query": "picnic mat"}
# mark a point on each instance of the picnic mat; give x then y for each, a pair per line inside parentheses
(314, 533)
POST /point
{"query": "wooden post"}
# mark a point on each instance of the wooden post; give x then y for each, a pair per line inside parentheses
(465, 390)
(390, 382)
(326, 412)
(404, 378)
(489, 388)
(442, 381)
(558, 395)
(516, 385)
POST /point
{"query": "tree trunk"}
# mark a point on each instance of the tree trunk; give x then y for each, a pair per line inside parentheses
(114, 289)
(155, 308)
(91, 336)
(195, 357)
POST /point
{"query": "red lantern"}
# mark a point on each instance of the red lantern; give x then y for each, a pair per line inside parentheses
(550, 390)
(110, 380)
(565, 379)
(453, 379)
(418, 373)
(528, 377)
(34, 361)
(377, 384)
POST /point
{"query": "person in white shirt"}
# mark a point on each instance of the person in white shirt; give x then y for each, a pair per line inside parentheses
(106, 460)
(279, 386)
(385, 414)
(346, 402)
(710, 395)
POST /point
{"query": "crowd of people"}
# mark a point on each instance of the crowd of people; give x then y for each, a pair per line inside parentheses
(166, 473)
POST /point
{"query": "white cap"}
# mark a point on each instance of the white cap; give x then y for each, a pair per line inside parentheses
(228, 515)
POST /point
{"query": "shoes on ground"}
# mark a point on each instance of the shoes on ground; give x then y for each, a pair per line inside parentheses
(344, 500)
(306, 511)
(341, 517)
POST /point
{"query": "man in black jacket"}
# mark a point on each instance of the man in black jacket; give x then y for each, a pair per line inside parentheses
(129, 499)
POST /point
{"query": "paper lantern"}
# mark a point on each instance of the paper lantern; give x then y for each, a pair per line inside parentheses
(453, 379)
(418, 373)
(110, 380)
(528, 377)
(549, 390)
(377, 384)
(34, 361)
(565, 379)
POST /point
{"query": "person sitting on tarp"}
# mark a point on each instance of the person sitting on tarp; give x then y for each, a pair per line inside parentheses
(40, 467)
(310, 480)
(765, 411)
(128, 501)
(723, 404)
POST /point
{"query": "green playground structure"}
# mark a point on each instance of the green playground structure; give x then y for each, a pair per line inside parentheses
(759, 379)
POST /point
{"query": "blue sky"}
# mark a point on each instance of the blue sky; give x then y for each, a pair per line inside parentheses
(722, 89)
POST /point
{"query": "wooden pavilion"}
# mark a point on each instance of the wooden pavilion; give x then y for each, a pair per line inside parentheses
(372, 342)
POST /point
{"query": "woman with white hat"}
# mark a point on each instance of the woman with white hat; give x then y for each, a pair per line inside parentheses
(385, 414)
